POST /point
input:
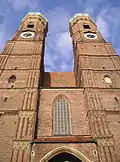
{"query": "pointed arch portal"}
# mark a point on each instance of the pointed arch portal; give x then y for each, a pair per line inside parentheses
(64, 157)
(64, 154)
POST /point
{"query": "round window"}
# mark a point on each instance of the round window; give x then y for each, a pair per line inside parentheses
(90, 36)
(27, 34)
(107, 79)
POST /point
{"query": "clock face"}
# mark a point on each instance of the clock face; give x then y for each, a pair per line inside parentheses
(27, 34)
(90, 36)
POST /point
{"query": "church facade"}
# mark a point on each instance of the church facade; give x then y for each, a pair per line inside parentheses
(59, 116)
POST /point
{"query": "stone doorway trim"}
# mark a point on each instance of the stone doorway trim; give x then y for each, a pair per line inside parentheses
(66, 149)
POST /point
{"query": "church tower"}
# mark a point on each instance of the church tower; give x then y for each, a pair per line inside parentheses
(21, 71)
(59, 116)
(96, 68)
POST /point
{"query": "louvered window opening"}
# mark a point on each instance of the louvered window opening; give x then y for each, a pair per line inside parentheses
(61, 122)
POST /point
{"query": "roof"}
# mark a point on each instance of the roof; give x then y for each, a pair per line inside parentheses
(37, 14)
(77, 15)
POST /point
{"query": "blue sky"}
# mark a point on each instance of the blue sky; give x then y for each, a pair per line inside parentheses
(58, 50)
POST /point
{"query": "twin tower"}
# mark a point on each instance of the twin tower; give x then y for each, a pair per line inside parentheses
(59, 116)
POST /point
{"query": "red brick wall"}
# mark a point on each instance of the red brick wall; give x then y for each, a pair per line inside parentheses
(8, 127)
(59, 79)
(40, 150)
(78, 112)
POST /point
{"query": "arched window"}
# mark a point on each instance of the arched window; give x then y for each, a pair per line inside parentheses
(12, 79)
(61, 115)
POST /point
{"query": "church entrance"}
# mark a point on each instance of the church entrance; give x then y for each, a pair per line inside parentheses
(64, 157)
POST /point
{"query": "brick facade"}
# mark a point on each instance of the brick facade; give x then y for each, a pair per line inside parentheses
(22, 58)
(27, 100)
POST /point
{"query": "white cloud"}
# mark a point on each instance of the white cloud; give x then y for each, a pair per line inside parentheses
(58, 44)
(108, 22)
(118, 51)
(49, 60)
(1, 18)
(5, 33)
(58, 20)
(66, 67)
(64, 40)
(58, 54)
(2, 41)
(64, 45)
(21, 4)
(89, 10)
(103, 26)
(4, 36)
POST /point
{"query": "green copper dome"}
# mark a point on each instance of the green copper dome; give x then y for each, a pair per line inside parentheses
(77, 15)
(37, 14)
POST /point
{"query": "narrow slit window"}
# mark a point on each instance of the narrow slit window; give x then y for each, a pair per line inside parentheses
(61, 115)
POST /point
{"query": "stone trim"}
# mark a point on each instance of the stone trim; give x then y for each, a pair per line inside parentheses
(21, 145)
(69, 150)
(65, 139)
